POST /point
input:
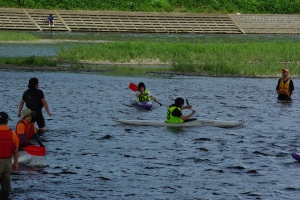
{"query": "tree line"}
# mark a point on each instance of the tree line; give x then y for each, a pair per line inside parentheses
(184, 6)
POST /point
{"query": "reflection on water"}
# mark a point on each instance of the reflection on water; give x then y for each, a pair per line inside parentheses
(91, 157)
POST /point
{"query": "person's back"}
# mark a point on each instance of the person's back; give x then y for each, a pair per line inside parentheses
(32, 98)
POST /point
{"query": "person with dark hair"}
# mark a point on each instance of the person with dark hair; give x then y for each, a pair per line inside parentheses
(9, 144)
(143, 94)
(51, 20)
(285, 86)
(35, 101)
(174, 114)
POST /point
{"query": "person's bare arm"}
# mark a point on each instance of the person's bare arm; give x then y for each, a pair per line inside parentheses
(187, 116)
(21, 107)
(45, 104)
(15, 166)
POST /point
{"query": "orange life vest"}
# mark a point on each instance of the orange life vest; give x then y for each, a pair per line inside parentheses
(28, 132)
(6, 144)
(284, 86)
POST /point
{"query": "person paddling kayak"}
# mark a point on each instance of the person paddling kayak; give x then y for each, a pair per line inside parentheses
(144, 97)
(143, 94)
(285, 86)
(174, 114)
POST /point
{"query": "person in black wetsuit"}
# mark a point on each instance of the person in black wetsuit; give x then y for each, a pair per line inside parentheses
(35, 101)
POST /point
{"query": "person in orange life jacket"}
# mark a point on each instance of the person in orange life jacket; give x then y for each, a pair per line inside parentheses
(9, 144)
(174, 114)
(26, 129)
(285, 86)
(143, 94)
(35, 101)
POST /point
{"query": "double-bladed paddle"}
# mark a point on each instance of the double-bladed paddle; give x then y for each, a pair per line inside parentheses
(135, 88)
(35, 150)
(187, 102)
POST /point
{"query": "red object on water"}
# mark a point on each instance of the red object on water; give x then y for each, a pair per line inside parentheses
(133, 87)
(35, 150)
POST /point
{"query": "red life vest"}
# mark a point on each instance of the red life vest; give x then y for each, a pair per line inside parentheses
(28, 132)
(6, 144)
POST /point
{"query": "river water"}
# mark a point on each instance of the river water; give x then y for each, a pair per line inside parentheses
(89, 156)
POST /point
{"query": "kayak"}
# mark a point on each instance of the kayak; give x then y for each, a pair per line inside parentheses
(147, 105)
(23, 157)
(296, 156)
(193, 123)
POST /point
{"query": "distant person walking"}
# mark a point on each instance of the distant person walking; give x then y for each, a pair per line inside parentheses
(285, 86)
(35, 101)
(51, 20)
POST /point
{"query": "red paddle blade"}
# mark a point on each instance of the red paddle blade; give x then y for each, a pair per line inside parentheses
(35, 150)
(133, 87)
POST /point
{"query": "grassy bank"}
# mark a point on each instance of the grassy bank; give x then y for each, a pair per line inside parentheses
(16, 36)
(29, 61)
(248, 59)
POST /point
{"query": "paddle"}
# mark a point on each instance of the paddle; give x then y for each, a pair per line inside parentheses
(187, 102)
(35, 150)
(135, 88)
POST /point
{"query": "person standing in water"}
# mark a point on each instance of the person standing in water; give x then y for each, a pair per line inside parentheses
(9, 144)
(285, 86)
(35, 101)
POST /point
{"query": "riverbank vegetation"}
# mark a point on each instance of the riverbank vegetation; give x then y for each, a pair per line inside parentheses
(247, 59)
(212, 57)
(32, 61)
(191, 6)
(16, 36)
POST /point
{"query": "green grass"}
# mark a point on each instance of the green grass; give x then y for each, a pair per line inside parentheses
(16, 36)
(195, 6)
(29, 61)
(248, 59)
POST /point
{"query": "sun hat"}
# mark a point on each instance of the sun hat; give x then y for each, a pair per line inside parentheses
(26, 112)
(285, 70)
(3, 117)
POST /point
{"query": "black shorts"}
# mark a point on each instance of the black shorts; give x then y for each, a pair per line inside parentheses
(39, 119)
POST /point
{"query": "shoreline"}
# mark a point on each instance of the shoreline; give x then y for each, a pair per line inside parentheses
(53, 41)
(97, 69)
(95, 66)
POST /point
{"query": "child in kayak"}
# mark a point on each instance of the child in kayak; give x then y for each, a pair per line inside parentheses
(143, 94)
(144, 97)
(174, 114)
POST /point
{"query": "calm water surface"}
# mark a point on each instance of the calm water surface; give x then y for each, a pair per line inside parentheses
(91, 157)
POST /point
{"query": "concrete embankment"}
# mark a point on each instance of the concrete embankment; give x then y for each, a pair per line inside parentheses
(148, 22)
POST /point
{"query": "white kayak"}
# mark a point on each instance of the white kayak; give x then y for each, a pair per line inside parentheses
(23, 157)
(193, 123)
